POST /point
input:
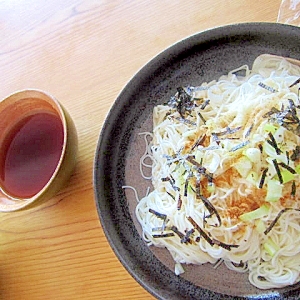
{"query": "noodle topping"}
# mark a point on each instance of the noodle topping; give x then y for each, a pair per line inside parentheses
(225, 172)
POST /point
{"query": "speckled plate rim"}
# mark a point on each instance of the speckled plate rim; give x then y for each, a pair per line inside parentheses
(246, 40)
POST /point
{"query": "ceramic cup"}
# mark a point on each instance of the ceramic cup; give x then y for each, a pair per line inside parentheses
(38, 146)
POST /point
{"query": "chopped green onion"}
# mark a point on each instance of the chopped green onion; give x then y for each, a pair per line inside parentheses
(255, 214)
(178, 269)
(198, 156)
(260, 226)
(287, 176)
(252, 177)
(270, 247)
(243, 166)
(297, 169)
(270, 128)
(274, 190)
(253, 154)
(211, 187)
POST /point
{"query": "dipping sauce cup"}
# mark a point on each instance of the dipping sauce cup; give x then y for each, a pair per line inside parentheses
(38, 147)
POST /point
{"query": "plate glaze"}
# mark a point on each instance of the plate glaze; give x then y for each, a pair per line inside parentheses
(202, 57)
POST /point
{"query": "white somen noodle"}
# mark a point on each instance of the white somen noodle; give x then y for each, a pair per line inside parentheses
(225, 171)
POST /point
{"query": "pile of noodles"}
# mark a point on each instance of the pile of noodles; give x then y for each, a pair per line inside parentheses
(225, 172)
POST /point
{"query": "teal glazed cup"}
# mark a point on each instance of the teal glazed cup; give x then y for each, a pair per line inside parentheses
(38, 148)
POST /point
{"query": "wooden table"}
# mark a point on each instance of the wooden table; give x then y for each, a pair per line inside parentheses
(83, 53)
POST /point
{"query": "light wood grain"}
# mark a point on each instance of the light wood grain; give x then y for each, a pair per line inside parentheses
(83, 53)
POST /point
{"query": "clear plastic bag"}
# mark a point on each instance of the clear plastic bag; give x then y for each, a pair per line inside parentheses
(289, 12)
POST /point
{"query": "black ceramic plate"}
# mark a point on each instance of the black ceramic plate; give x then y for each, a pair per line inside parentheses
(201, 57)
